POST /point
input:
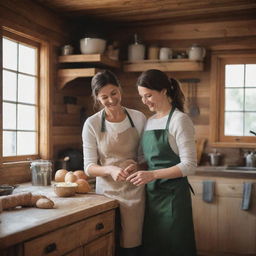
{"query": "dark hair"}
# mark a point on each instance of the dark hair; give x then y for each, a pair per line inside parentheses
(157, 80)
(101, 79)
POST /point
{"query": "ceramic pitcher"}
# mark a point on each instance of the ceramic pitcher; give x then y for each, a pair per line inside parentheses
(196, 52)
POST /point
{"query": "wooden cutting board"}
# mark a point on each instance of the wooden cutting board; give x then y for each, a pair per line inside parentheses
(200, 143)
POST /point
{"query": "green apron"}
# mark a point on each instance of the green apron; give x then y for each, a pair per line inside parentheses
(168, 225)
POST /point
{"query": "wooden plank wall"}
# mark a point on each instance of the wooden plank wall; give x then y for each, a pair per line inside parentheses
(231, 33)
(36, 22)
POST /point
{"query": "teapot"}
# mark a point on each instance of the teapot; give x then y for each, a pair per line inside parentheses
(196, 52)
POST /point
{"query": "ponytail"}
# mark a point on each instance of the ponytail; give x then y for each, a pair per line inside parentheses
(175, 93)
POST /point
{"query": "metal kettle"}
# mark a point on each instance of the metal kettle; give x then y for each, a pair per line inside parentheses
(250, 159)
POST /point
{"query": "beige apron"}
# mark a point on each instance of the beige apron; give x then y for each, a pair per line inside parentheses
(114, 150)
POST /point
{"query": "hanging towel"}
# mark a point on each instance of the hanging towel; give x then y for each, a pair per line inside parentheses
(208, 190)
(247, 191)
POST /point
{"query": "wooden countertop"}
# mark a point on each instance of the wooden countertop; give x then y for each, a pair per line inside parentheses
(24, 223)
(221, 171)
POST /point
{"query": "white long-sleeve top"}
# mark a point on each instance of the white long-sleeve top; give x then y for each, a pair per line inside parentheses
(92, 129)
(181, 138)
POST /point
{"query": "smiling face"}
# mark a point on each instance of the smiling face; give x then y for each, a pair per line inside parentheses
(110, 96)
(155, 100)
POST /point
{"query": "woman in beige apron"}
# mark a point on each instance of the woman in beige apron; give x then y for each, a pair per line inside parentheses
(116, 152)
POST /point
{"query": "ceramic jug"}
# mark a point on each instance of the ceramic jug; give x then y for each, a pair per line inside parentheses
(196, 52)
(165, 53)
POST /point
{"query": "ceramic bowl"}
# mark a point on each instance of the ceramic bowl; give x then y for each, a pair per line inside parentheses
(92, 45)
(65, 189)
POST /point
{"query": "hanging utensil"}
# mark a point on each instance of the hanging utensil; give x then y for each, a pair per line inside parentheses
(193, 109)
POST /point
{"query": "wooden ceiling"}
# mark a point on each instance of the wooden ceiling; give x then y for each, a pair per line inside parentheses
(136, 11)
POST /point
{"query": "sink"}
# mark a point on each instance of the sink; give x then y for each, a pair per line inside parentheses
(240, 168)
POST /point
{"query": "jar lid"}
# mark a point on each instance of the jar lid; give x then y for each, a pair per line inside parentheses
(40, 162)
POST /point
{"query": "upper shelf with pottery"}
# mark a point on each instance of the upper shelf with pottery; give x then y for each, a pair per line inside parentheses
(86, 64)
(163, 58)
(93, 58)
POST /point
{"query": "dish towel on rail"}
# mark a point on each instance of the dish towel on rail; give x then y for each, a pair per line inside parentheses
(208, 190)
(247, 191)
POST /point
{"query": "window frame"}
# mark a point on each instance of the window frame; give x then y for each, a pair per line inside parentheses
(217, 137)
(44, 94)
(28, 42)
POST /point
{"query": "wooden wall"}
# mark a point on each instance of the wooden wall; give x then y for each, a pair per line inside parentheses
(231, 33)
(48, 28)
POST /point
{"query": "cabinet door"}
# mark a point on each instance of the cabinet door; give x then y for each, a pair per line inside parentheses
(237, 228)
(77, 252)
(205, 220)
(100, 247)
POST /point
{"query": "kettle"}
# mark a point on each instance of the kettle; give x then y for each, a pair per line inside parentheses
(215, 158)
(196, 52)
(136, 51)
(250, 159)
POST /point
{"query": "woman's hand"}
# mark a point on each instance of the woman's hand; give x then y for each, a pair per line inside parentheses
(141, 177)
(131, 168)
(117, 173)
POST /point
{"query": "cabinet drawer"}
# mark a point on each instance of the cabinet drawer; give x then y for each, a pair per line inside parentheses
(70, 237)
(102, 246)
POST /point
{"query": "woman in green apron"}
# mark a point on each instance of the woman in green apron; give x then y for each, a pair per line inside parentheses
(169, 150)
(110, 144)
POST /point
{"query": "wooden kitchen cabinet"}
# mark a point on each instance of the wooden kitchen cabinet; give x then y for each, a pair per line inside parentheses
(222, 227)
(72, 236)
(82, 225)
(90, 237)
(205, 220)
(237, 228)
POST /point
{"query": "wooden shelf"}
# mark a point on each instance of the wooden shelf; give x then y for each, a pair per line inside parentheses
(67, 75)
(170, 65)
(90, 58)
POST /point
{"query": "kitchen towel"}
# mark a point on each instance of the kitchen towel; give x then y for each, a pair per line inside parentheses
(208, 190)
(247, 191)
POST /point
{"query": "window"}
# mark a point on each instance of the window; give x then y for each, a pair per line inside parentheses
(19, 99)
(233, 100)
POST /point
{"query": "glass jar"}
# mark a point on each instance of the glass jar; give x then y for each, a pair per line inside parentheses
(41, 171)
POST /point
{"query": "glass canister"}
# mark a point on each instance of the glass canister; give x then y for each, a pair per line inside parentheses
(41, 172)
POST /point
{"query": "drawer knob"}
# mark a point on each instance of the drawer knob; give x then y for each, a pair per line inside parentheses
(50, 248)
(99, 226)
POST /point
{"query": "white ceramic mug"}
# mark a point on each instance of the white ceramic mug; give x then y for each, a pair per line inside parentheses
(165, 53)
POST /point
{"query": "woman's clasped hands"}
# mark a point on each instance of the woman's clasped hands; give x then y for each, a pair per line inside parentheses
(120, 173)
